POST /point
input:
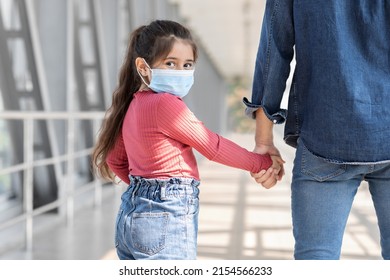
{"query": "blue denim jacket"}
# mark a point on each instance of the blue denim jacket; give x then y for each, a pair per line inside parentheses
(339, 100)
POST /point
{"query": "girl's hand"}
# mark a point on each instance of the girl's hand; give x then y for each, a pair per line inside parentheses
(268, 178)
(270, 149)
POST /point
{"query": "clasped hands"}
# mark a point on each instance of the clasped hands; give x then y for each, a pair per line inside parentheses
(268, 178)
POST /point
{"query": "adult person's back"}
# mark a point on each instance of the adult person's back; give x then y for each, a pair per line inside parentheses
(338, 113)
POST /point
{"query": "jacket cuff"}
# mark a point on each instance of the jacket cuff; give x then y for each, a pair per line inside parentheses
(250, 111)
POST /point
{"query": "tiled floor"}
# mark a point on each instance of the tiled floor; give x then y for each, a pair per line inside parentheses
(238, 220)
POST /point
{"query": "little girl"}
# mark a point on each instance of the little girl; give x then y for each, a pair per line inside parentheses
(146, 140)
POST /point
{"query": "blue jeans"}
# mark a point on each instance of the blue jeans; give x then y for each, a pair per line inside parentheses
(158, 220)
(322, 196)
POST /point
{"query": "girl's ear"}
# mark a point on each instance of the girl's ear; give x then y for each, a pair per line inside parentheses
(141, 66)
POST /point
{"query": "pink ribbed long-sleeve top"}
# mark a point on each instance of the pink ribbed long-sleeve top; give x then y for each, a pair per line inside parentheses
(158, 134)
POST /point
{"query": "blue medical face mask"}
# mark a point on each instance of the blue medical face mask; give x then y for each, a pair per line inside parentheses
(176, 82)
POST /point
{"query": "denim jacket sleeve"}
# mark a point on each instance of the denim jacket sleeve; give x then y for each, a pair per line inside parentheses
(272, 68)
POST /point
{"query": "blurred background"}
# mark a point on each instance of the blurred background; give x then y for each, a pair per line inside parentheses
(59, 61)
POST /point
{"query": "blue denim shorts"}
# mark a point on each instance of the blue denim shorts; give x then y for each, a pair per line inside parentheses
(158, 219)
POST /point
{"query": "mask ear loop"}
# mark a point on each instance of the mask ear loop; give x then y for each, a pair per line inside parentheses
(142, 78)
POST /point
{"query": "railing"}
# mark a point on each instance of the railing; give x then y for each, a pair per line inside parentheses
(68, 157)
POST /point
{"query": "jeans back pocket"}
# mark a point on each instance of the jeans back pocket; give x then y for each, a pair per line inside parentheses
(319, 168)
(148, 231)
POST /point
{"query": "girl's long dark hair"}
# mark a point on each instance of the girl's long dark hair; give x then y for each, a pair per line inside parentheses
(151, 42)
